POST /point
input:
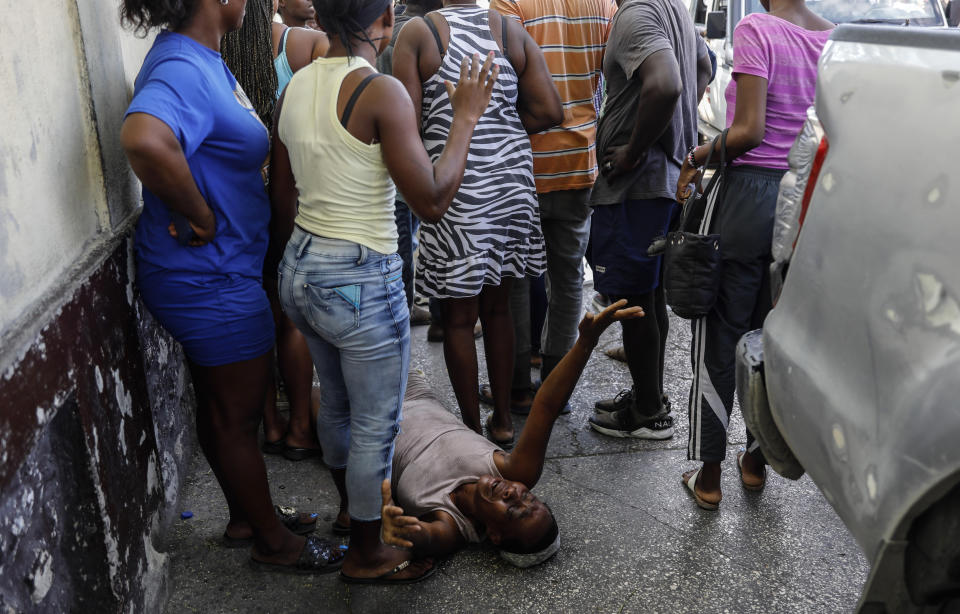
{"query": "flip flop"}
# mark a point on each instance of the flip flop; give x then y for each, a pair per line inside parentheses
(318, 557)
(273, 447)
(691, 483)
(506, 444)
(754, 487)
(387, 578)
(292, 453)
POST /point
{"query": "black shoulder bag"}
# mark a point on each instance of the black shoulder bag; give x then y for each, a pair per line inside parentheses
(691, 267)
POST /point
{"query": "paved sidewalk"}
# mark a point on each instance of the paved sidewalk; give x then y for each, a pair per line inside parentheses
(633, 539)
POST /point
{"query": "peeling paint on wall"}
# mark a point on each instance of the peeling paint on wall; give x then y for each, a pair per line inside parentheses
(104, 443)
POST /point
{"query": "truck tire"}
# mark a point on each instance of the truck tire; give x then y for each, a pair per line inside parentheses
(932, 561)
(752, 392)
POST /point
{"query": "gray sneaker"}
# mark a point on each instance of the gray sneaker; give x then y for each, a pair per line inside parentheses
(617, 424)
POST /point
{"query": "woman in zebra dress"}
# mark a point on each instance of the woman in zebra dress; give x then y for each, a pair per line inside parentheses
(491, 233)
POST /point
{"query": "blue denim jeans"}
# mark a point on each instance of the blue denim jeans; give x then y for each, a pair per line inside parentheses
(349, 303)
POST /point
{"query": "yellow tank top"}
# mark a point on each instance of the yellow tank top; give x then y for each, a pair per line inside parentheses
(345, 189)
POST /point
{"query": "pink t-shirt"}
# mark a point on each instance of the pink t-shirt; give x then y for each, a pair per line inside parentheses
(786, 55)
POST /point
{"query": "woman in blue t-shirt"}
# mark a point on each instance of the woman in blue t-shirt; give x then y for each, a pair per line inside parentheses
(199, 148)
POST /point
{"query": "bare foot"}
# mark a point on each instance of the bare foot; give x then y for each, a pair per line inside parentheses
(274, 430)
(286, 552)
(241, 529)
(753, 474)
(385, 559)
(499, 431)
(710, 494)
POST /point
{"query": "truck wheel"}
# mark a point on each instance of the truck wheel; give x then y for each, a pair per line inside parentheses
(752, 391)
(932, 561)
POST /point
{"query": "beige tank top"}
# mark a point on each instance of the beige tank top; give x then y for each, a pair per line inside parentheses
(345, 189)
(435, 454)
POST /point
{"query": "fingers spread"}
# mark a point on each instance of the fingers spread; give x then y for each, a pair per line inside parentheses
(629, 313)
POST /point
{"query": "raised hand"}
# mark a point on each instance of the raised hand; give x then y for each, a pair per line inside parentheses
(396, 529)
(593, 325)
(472, 93)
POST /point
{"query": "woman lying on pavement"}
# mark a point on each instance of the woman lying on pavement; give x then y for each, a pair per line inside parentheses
(455, 485)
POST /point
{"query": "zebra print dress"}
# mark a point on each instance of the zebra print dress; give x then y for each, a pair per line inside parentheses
(492, 229)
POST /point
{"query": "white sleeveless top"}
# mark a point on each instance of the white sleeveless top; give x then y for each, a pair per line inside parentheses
(345, 190)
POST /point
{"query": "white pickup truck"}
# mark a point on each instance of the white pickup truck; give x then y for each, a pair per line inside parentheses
(855, 376)
(716, 20)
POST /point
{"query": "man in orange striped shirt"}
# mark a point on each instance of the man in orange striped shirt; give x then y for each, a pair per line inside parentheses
(572, 35)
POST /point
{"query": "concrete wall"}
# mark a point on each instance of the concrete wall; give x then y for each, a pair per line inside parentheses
(95, 403)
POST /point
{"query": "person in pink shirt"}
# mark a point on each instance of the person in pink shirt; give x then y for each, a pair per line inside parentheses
(775, 57)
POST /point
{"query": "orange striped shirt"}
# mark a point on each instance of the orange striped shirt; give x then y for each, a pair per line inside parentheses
(572, 35)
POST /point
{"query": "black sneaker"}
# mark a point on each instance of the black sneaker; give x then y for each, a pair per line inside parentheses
(615, 425)
(623, 400)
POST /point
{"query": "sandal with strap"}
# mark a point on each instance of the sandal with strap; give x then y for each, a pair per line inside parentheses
(388, 577)
(288, 516)
(691, 483)
(318, 557)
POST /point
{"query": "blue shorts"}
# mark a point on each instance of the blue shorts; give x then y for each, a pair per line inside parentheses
(620, 235)
(218, 319)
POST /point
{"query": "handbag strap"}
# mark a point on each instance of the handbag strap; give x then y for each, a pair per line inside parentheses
(699, 199)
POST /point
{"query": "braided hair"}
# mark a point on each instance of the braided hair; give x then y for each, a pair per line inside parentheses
(248, 53)
(342, 19)
(144, 15)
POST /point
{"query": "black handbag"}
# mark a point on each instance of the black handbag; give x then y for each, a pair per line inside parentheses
(691, 258)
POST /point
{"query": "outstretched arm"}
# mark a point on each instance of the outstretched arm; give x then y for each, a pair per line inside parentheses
(525, 463)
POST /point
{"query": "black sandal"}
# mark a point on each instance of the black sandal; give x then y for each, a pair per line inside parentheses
(293, 453)
(387, 578)
(273, 447)
(318, 557)
(288, 516)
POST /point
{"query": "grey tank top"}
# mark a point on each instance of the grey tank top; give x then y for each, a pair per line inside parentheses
(435, 453)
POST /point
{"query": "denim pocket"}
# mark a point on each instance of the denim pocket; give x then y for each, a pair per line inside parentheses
(394, 269)
(333, 312)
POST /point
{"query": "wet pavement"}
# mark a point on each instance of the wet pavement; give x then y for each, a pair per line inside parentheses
(633, 539)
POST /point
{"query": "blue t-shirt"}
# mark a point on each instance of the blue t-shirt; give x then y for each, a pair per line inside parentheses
(189, 88)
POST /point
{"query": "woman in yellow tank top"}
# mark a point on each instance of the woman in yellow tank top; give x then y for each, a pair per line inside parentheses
(343, 143)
